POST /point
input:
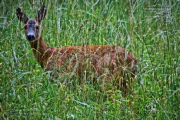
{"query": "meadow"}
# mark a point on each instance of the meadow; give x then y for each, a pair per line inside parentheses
(148, 29)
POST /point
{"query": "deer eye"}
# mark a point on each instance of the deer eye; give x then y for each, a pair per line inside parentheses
(37, 27)
(25, 27)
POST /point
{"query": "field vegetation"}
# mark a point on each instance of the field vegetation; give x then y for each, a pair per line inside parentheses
(148, 29)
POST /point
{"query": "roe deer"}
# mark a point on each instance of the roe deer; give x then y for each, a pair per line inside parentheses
(108, 63)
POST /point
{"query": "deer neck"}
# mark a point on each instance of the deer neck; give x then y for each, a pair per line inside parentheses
(41, 51)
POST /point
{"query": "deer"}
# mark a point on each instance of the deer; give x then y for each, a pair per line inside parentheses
(108, 63)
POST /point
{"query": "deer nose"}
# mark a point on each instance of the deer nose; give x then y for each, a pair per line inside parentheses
(30, 36)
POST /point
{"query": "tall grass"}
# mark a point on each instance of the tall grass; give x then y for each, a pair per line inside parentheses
(148, 29)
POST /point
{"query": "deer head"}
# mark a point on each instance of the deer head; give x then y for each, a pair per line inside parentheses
(32, 26)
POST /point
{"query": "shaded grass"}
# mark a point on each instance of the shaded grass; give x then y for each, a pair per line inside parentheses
(151, 34)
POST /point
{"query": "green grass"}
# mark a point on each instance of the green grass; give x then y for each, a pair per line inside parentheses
(150, 30)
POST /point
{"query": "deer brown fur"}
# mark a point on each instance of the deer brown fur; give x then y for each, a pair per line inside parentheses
(107, 62)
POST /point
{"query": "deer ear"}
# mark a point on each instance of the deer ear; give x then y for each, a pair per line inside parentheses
(21, 16)
(41, 13)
